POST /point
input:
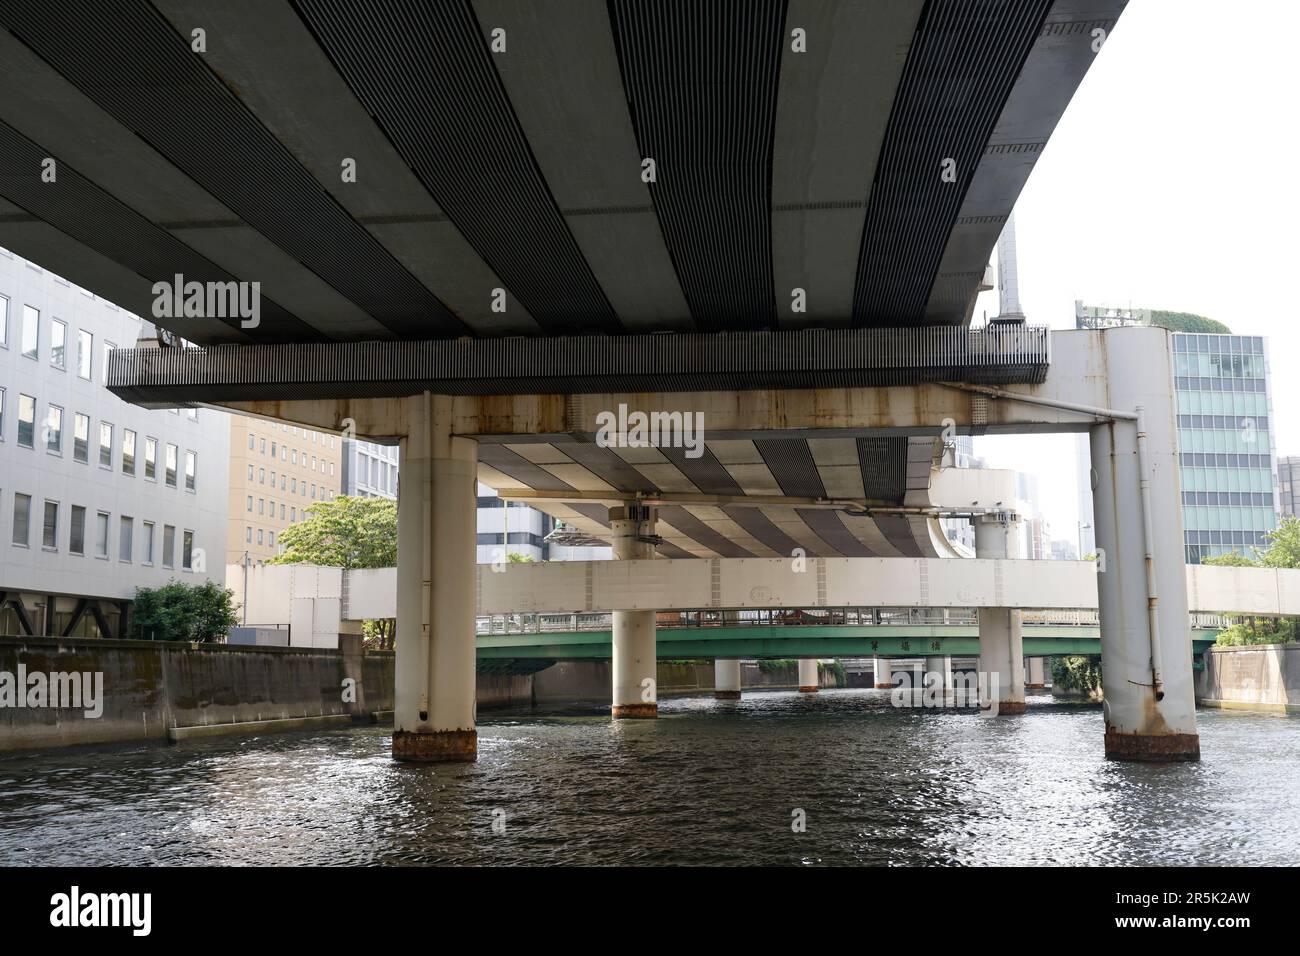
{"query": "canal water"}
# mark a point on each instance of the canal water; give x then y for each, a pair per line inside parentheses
(708, 783)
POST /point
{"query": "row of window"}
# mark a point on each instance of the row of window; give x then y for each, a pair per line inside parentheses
(1204, 460)
(75, 540)
(29, 342)
(1257, 422)
(294, 513)
(1227, 498)
(1185, 383)
(285, 451)
(1255, 538)
(1186, 342)
(285, 480)
(52, 440)
(261, 538)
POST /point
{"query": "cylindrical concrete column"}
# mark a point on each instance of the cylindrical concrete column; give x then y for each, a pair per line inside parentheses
(635, 692)
(808, 681)
(1150, 707)
(726, 678)
(1002, 666)
(882, 673)
(1036, 679)
(938, 676)
(434, 710)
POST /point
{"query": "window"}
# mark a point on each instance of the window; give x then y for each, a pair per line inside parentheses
(151, 458)
(191, 469)
(101, 534)
(261, 506)
(272, 449)
(261, 476)
(313, 462)
(248, 534)
(85, 346)
(250, 472)
(313, 492)
(270, 538)
(128, 452)
(126, 532)
(77, 531)
(170, 474)
(26, 420)
(331, 469)
(282, 511)
(59, 344)
(169, 546)
(187, 551)
(295, 456)
(80, 437)
(31, 332)
(282, 478)
(259, 535)
(250, 441)
(4, 322)
(284, 453)
(50, 526)
(54, 430)
(250, 504)
(293, 514)
(293, 486)
(272, 479)
(105, 445)
(263, 446)
(146, 535)
(108, 350)
(22, 518)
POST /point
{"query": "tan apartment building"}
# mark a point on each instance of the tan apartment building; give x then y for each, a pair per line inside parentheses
(277, 472)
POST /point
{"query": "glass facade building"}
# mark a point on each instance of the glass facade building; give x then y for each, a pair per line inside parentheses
(1225, 439)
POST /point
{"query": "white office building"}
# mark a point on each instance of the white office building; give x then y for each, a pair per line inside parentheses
(97, 496)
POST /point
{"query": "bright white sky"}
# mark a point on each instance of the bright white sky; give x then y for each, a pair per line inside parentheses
(1171, 182)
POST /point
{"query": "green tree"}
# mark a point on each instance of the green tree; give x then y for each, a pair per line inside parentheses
(1077, 673)
(1283, 549)
(1232, 559)
(351, 533)
(1187, 322)
(347, 532)
(200, 613)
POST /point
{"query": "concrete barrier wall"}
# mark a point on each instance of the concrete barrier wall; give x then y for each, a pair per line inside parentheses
(153, 689)
(149, 688)
(1258, 677)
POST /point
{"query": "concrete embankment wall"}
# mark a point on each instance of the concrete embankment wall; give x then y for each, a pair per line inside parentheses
(151, 689)
(1257, 677)
(160, 691)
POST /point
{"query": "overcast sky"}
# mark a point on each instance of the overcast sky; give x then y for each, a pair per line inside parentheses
(1171, 182)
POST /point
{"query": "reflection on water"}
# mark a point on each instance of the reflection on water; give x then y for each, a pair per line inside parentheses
(708, 783)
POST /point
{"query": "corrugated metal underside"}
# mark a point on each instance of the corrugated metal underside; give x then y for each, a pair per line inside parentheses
(583, 364)
(701, 82)
(426, 75)
(964, 61)
(130, 61)
(607, 477)
(82, 210)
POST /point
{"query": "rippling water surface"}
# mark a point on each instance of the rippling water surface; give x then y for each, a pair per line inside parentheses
(708, 783)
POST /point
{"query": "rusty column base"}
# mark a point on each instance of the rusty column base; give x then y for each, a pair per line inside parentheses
(635, 711)
(1012, 707)
(726, 695)
(441, 746)
(1035, 687)
(884, 687)
(1153, 748)
(809, 690)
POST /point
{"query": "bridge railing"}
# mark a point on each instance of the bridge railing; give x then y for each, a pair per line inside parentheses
(523, 623)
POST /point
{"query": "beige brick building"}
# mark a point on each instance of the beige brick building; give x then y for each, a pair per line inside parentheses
(277, 472)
